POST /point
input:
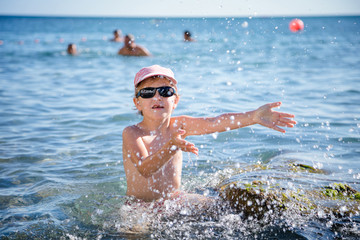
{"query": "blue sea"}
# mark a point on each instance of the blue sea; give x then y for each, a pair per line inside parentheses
(61, 120)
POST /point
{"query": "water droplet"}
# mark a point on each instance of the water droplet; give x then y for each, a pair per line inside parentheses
(329, 147)
(206, 192)
(321, 213)
(343, 209)
(215, 135)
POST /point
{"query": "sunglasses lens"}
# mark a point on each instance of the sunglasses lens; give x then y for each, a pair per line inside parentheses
(166, 91)
(147, 92)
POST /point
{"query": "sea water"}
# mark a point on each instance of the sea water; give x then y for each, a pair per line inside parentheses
(61, 120)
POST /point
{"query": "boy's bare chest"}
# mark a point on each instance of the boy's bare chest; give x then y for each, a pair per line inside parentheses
(154, 142)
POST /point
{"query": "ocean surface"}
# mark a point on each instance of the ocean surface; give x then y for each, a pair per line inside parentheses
(61, 120)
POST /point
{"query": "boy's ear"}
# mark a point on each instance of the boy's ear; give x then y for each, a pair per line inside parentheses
(137, 104)
(177, 99)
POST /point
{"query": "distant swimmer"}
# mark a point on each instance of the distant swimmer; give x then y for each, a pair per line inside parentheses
(130, 48)
(71, 49)
(117, 36)
(187, 37)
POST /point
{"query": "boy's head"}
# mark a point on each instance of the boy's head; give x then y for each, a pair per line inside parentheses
(162, 76)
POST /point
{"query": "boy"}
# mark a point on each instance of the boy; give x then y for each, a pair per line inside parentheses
(152, 149)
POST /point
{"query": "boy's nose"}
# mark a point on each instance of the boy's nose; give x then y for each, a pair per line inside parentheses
(157, 95)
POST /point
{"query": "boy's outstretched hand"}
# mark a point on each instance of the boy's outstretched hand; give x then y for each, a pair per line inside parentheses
(266, 117)
(177, 142)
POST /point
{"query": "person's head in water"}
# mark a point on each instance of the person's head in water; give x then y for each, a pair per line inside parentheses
(130, 41)
(187, 36)
(71, 49)
(117, 36)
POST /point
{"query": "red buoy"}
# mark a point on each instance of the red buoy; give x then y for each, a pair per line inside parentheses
(296, 25)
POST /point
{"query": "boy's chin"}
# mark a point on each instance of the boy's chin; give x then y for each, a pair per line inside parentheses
(160, 113)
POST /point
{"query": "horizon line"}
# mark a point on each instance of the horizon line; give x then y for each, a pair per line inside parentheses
(180, 16)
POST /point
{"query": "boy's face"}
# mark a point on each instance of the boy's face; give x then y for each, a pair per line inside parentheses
(157, 107)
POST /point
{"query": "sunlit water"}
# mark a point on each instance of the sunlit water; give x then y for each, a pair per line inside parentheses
(61, 119)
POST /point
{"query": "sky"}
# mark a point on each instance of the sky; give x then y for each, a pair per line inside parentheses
(179, 8)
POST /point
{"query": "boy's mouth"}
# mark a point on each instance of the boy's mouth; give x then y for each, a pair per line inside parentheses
(157, 107)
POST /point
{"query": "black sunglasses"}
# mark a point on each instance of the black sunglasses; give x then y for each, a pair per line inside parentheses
(150, 92)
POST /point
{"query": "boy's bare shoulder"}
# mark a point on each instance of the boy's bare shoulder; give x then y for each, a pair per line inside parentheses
(131, 131)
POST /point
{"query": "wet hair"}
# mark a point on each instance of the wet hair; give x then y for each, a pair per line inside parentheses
(117, 31)
(187, 33)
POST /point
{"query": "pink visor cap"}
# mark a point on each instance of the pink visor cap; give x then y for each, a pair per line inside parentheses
(154, 70)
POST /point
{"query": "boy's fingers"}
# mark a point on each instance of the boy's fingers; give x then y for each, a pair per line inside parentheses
(286, 120)
(187, 146)
(183, 143)
(278, 129)
(282, 124)
(286, 115)
(194, 150)
(181, 131)
(274, 104)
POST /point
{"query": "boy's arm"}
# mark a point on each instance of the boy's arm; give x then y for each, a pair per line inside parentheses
(264, 116)
(147, 163)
